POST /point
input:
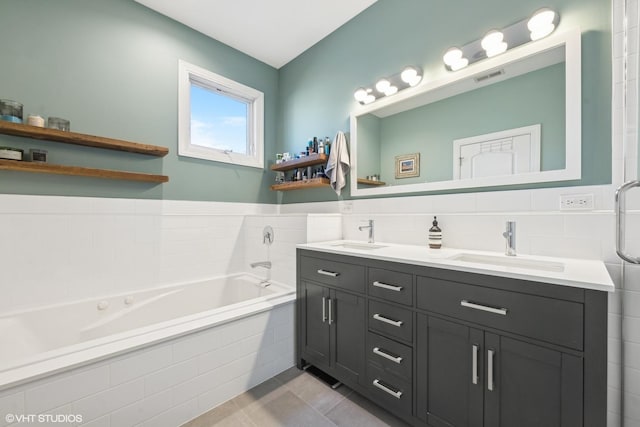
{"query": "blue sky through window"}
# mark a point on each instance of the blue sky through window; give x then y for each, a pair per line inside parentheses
(218, 121)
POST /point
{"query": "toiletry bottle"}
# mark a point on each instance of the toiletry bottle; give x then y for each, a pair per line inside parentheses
(327, 146)
(435, 235)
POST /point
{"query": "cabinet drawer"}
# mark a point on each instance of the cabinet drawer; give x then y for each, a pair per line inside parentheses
(394, 394)
(391, 356)
(547, 319)
(333, 273)
(391, 285)
(390, 320)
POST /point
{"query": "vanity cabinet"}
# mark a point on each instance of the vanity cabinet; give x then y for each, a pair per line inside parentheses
(445, 348)
(332, 320)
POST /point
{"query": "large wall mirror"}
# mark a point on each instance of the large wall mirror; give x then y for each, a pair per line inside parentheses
(511, 119)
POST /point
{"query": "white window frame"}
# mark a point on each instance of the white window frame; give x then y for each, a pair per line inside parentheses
(188, 74)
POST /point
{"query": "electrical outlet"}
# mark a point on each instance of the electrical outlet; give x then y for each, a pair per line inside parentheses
(346, 206)
(576, 202)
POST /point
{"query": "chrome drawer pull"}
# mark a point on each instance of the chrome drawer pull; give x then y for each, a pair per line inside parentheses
(330, 311)
(396, 394)
(474, 364)
(397, 323)
(490, 354)
(395, 359)
(386, 286)
(501, 311)
(328, 273)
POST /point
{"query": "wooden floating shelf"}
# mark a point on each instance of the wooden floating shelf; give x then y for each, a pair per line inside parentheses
(301, 185)
(32, 167)
(370, 182)
(310, 160)
(27, 131)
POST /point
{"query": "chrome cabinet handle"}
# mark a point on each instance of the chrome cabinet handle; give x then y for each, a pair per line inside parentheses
(397, 323)
(394, 393)
(501, 311)
(620, 229)
(328, 273)
(330, 311)
(490, 354)
(387, 286)
(395, 359)
(324, 309)
(474, 364)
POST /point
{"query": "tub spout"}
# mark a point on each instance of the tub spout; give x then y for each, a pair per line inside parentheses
(265, 264)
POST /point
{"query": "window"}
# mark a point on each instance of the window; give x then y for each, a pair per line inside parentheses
(219, 119)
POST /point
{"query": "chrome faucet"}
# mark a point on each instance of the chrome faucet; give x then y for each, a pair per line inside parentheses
(370, 227)
(265, 264)
(510, 236)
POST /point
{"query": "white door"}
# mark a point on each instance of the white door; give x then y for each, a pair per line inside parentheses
(509, 152)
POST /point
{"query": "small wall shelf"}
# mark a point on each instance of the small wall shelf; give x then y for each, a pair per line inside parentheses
(310, 160)
(17, 129)
(370, 182)
(301, 185)
(32, 167)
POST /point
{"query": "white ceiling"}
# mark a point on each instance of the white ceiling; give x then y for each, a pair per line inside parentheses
(272, 31)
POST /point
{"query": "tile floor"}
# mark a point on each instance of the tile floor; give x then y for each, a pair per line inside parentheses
(297, 398)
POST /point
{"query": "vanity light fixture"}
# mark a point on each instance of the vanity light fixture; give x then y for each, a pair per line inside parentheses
(389, 86)
(542, 23)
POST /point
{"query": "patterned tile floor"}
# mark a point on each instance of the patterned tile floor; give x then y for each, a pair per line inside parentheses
(297, 398)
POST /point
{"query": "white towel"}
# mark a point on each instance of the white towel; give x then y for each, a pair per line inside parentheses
(338, 165)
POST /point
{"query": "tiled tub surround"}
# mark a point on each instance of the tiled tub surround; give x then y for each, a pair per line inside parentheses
(62, 249)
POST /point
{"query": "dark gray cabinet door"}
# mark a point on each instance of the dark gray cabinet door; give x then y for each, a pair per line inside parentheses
(348, 335)
(316, 344)
(532, 386)
(451, 389)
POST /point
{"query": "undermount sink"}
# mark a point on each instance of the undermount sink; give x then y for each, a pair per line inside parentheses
(530, 264)
(365, 246)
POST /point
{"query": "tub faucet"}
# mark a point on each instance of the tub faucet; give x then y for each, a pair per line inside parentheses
(265, 264)
(370, 227)
(510, 236)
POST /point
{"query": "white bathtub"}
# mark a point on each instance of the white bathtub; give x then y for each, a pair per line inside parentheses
(46, 340)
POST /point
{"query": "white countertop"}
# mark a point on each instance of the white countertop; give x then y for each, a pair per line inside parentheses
(579, 273)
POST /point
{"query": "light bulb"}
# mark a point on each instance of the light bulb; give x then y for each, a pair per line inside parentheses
(391, 90)
(411, 75)
(382, 85)
(360, 95)
(541, 23)
(493, 43)
(369, 99)
(408, 74)
(453, 58)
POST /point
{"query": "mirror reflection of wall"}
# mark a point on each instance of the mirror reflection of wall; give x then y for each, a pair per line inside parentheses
(537, 97)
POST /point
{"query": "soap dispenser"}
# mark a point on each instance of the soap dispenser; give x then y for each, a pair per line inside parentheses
(435, 235)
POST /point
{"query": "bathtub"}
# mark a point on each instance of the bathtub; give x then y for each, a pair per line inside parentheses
(46, 340)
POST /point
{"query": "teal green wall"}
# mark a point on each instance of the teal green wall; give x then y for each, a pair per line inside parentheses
(111, 67)
(316, 89)
(533, 98)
